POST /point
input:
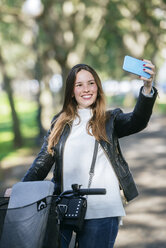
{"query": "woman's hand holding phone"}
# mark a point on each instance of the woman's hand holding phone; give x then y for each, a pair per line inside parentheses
(149, 68)
(143, 68)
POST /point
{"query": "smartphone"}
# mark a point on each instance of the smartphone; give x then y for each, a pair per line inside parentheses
(135, 66)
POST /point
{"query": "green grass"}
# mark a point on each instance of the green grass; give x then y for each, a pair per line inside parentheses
(27, 111)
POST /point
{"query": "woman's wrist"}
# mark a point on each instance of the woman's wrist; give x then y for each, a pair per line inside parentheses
(148, 91)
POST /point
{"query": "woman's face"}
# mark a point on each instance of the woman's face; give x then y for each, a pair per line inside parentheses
(85, 89)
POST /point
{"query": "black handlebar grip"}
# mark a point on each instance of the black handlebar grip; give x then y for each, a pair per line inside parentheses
(92, 191)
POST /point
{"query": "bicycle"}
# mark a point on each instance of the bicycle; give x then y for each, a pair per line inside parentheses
(37, 224)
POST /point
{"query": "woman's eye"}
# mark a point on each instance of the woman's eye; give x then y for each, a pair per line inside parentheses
(78, 85)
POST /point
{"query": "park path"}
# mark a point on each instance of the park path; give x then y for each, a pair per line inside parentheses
(145, 223)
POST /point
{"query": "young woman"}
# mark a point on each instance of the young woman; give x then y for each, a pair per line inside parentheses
(69, 145)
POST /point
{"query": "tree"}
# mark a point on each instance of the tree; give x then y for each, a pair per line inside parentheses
(100, 33)
(16, 123)
(17, 49)
(6, 35)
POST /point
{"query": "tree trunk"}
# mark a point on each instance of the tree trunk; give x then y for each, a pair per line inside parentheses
(65, 71)
(41, 133)
(38, 76)
(15, 121)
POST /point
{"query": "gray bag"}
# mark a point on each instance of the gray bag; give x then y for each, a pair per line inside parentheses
(27, 214)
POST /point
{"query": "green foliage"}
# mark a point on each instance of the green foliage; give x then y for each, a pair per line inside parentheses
(99, 33)
(27, 114)
(11, 3)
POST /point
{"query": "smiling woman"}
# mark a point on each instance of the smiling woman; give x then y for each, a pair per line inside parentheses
(69, 144)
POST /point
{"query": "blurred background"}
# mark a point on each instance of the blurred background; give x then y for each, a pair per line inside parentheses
(39, 42)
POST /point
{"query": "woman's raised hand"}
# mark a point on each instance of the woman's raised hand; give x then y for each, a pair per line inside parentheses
(149, 68)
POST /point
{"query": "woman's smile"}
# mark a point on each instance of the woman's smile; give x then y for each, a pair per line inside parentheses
(87, 96)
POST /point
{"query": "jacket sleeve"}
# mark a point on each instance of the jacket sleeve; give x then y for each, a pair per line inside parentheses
(129, 123)
(41, 165)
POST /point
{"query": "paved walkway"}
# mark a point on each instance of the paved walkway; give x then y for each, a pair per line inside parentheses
(145, 223)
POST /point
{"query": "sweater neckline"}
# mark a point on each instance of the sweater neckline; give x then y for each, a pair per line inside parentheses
(86, 112)
(84, 115)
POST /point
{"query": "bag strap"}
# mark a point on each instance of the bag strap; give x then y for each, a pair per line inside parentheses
(91, 172)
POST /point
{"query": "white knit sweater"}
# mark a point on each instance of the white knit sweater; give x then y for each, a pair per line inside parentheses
(78, 152)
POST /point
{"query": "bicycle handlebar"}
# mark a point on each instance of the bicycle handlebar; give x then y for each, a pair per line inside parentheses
(81, 192)
(93, 191)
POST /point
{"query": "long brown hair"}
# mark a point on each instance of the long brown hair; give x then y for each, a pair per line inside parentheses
(69, 111)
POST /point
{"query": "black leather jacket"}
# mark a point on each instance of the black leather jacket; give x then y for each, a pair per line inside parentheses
(118, 125)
